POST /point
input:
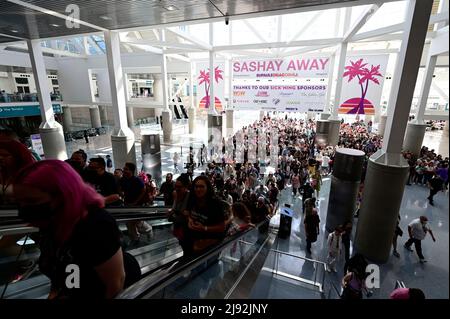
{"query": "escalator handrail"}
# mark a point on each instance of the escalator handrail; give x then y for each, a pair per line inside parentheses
(148, 285)
(122, 214)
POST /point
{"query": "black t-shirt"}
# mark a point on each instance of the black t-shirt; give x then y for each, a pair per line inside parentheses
(307, 191)
(167, 189)
(132, 188)
(436, 183)
(105, 184)
(214, 213)
(94, 241)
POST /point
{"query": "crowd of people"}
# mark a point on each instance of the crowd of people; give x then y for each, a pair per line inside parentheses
(242, 181)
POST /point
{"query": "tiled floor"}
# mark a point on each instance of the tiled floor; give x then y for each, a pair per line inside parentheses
(431, 277)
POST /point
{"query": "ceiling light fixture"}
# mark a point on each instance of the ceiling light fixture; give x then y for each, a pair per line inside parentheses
(105, 18)
(170, 7)
(55, 25)
(14, 31)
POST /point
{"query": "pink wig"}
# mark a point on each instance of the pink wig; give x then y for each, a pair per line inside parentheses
(63, 183)
(22, 156)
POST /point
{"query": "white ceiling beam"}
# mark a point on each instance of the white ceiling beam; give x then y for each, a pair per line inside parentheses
(12, 37)
(254, 31)
(179, 57)
(378, 32)
(127, 47)
(147, 48)
(138, 35)
(95, 45)
(255, 46)
(252, 53)
(155, 32)
(305, 27)
(51, 51)
(56, 14)
(279, 30)
(439, 91)
(188, 37)
(164, 44)
(303, 50)
(361, 21)
(394, 37)
(439, 17)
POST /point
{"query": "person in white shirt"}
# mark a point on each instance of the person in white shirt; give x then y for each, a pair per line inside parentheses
(334, 244)
(417, 230)
(176, 160)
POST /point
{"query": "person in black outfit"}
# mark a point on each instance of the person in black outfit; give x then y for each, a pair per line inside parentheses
(435, 184)
(312, 222)
(74, 230)
(208, 216)
(104, 183)
(86, 136)
(167, 189)
(346, 237)
(307, 192)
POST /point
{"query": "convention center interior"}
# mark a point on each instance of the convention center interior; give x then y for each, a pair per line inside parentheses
(224, 149)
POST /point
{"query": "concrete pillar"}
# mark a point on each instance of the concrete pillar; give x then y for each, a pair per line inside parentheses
(191, 120)
(157, 88)
(103, 115)
(382, 124)
(347, 171)
(340, 71)
(51, 131)
(330, 81)
(445, 131)
(322, 132)
(95, 116)
(230, 121)
(167, 126)
(151, 156)
(67, 119)
(324, 116)
(333, 132)
(130, 116)
(414, 137)
(214, 132)
(387, 169)
(122, 138)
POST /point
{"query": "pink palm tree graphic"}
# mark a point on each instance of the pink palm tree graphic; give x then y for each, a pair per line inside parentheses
(204, 78)
(359, 70)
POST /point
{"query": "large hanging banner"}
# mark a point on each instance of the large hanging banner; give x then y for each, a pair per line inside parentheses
(293, 67)
(291, 84)
(362, 85)
(203, 80)
(280, 97)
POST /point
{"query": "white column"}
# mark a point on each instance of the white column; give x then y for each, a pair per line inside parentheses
(103, 115)
(130, 116)
(340, 71)
(212, 102)
(51, 131)
(122, 138)
(327, 108)
(425, 90)
(387, 169)
(94, 113)
(230, 121)
(192, 106)
(67, 118)
(166, 113)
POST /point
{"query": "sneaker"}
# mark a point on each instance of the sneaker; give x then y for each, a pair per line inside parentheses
(396, 254)
(423, 260)
(408, 248)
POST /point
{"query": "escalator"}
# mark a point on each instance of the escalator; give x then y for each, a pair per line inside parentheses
(19, 251)
(228, 270)
(177, 113)
(183, 110)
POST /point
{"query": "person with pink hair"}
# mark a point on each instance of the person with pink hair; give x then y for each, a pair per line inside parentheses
(75, 231)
